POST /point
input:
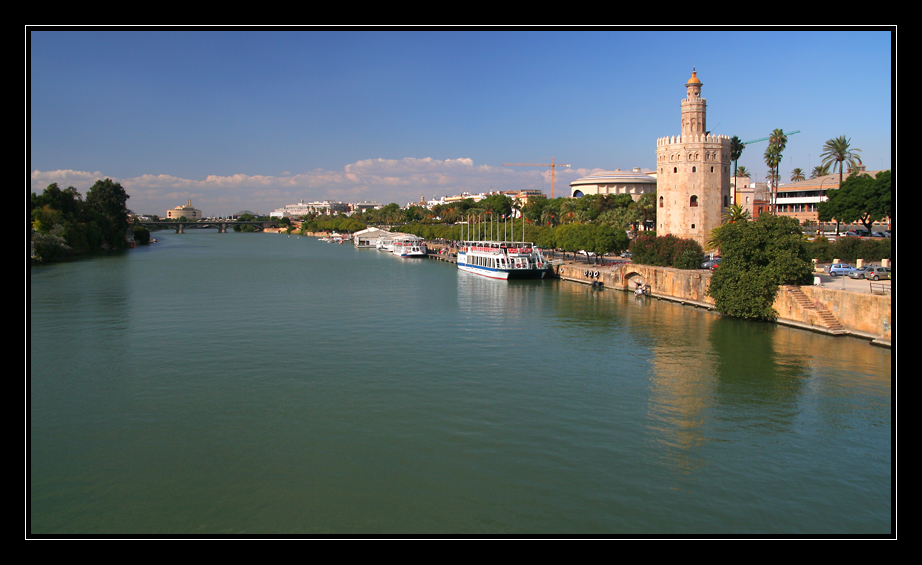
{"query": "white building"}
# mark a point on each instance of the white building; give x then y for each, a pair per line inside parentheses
(186, 211)
(303, 208)
(368, 237)
(635, 183)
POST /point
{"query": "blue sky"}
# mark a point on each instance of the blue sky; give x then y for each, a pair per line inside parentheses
(254, 120)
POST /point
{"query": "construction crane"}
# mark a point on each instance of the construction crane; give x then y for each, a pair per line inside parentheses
(551, 165)
(765, 138)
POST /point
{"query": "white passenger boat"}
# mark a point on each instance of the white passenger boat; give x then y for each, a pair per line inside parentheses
(502, 259)
(385, 243)
(411, 246)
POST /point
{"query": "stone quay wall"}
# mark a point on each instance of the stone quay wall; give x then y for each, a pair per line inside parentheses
(832, 311)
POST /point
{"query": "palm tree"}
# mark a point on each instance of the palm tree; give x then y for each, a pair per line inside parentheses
(744, 172)
(820, 171)
(567, 210)
(797, 175)
(839, 151)
(736, 213)
(772, 159)
(736, 151)
(776, 144)
(646, 206)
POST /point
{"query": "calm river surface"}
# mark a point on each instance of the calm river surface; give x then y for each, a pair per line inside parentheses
(253, 384)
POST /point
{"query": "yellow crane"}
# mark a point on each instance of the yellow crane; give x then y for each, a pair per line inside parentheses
(551, 165)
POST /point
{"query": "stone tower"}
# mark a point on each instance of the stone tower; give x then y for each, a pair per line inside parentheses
(693, 173)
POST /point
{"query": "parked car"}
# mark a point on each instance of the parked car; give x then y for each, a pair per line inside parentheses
(880, 234)
(877, 273)
(858, 273)
(840, 269)
(709, 264)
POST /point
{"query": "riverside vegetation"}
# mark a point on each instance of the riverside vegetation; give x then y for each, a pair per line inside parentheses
(63, 224)
(758, 256)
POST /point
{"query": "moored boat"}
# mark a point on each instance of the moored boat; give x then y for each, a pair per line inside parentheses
(502, 259)
(410, 246)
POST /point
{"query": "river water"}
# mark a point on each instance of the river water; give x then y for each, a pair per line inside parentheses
(252, 384)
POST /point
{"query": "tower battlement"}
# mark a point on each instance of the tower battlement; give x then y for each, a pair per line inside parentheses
(693, 138)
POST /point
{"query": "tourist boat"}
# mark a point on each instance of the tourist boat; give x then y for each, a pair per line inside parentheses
(385, 243)
(334, 238)
(502, 260)
(411, 246)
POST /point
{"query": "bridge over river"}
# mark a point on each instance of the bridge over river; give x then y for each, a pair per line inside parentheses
(221, 225)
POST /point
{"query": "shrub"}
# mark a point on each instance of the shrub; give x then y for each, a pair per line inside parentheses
(666, 251)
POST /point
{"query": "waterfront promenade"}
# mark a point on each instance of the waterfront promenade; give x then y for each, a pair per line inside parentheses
(832, 305)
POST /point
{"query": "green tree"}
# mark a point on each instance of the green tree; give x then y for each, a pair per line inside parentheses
(595, 238)
(497, 205)
(859, 199)
(736, 151)
(777, 141)
(732, 214)
(141, 235)
(797, 175)
(109, 198)
(838, 151)
(819, 171)
(666, 251)
(757, 257)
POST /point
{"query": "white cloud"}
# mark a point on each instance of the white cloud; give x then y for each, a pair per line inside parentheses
(382, 180)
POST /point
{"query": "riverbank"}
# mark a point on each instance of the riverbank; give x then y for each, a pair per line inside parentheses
(819, 308)
(830, 306)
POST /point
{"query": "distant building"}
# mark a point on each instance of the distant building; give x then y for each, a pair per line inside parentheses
(365, 205)
(635, 183)
(303, 208)
(186, 211)
(799, 199)
(368, 237)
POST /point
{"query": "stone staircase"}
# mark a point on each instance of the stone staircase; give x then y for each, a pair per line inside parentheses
(823, 316)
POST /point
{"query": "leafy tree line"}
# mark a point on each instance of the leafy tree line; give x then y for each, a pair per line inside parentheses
(859, 199)
(618, 211)
(666, 251)
(595, 238)
(849, 249)
(339, 223)
(62, 223)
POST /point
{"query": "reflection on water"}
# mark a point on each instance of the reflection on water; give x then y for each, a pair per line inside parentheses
(238, 383)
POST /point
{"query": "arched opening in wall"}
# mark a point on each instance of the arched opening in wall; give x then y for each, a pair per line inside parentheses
(726, 201)
(675, 169)
(660, 201)
(694, 169)
(693, 201)
(578, 194)
(693, 226)
(712, 169)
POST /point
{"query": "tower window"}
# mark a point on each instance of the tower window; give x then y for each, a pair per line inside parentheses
(660, 201)
(694, 169)
(693, 201)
